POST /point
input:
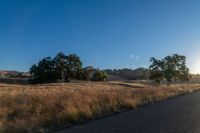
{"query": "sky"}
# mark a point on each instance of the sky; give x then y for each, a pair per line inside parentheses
(104, 33)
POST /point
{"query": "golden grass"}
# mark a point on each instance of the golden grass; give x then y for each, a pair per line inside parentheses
(26, 108)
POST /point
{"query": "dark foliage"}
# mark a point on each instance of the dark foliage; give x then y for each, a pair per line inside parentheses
(44, 71)
(172, 68)
(99, 76)
(62, 68)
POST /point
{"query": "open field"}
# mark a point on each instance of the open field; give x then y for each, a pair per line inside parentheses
(26, 108)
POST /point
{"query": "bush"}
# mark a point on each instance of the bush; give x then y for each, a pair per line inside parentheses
(99, 76)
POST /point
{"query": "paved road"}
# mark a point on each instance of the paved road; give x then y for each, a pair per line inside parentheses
(177, 115)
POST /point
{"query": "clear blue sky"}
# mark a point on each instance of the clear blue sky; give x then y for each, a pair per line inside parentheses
(104, 33)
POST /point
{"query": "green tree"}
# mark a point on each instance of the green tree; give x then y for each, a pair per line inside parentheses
(44, 71)
(99, 76)
(156, 73)
(68, 67)
(82, 74)
(175, 68)
(74, 67)
(61, 66)
(172, 68)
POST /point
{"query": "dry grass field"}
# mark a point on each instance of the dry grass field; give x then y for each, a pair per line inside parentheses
(40, 108)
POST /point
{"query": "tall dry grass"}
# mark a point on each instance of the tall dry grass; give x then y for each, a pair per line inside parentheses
(40, 108)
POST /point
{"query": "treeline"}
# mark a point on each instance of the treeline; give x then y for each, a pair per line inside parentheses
(62, 68)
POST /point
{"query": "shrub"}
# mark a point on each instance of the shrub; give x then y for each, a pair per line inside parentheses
(99, 76)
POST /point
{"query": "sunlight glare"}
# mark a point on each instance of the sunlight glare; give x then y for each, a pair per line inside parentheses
(196, 67)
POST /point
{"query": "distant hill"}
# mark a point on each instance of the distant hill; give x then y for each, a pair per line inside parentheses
(14, 77)
(128, 74)
(13, 74)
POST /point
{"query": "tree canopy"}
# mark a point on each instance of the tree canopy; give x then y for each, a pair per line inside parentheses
(61, 68)
(171, 68)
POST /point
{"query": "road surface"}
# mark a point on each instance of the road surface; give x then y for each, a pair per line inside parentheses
(176, 115)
